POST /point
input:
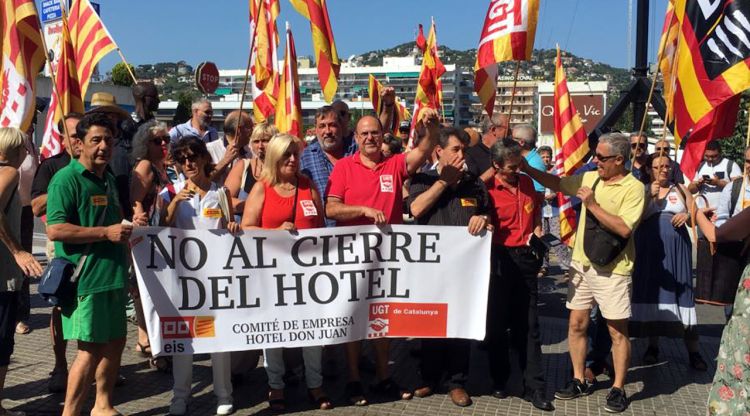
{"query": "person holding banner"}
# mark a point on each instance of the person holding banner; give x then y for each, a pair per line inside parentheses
(197, 204)
(366, 188)
(448, 195)
(283, 199)
(243, 176)
(16, 261)
(603, 258)
(517, 258)
(84, 215)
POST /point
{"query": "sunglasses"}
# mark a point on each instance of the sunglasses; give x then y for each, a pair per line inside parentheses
(181, 159)
(603, 158)
(638, 145)
(159, 140)
(662, 149)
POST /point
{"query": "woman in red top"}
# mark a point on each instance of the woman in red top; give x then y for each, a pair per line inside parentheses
(283, 199)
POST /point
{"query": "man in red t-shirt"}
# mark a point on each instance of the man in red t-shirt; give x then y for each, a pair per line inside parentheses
(366, 188)
(513, 286)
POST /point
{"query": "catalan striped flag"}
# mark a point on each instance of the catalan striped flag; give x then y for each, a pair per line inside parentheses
(289, 104)
(70, 98)
(571, 146)
(326, 57)
(508, 34)
(91, 40)
(22, 59)
(430, 88)
(713, 66)
(264, 59)
(375, 87)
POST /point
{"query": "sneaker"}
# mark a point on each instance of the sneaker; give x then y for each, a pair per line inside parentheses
(224, 407)
(573, 390)
(58, 381)
(617, 401)
(178, 407)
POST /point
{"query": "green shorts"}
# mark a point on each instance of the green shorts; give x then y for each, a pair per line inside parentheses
(98, 317)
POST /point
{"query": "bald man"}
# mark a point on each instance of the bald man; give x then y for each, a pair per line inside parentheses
(478, 157)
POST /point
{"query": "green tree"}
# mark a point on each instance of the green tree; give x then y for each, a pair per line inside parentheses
(121, 76)
(184, 101)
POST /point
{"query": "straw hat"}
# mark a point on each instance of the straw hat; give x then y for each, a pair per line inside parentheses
(104, 102)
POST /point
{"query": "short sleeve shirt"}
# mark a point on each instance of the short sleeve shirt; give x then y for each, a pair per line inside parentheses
(456, 205)
(624, 198)
(197, 213)
(536, 162)
(380, 187)
(478, 159)
(514, 211)
(187, 128)
(77, 196)
(47, 169)
(711, 192)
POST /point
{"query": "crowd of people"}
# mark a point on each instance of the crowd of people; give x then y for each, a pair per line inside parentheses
(629, 271)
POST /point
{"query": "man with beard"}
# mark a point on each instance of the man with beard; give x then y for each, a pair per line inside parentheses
(199, 124)
(322, 154)
(366, 188)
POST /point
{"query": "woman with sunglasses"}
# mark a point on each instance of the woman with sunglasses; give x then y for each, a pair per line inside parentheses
(663, 303)
(148, 178)
(195, 204)
(283, 199)
(243, 176)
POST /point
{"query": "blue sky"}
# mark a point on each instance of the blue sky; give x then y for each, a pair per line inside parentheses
(217, 30)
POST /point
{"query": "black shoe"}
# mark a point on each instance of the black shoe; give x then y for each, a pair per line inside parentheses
(537, 399)
(617, 401)
(573, 390)
(499, 393)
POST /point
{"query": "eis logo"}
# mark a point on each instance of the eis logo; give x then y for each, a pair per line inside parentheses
(187, 327)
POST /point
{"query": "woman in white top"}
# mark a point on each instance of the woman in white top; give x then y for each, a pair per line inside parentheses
(192, 205)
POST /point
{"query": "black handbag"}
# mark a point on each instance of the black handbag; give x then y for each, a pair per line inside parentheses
(58, 282)
(600, 245)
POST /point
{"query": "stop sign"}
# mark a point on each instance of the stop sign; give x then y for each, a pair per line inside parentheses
(207, 77)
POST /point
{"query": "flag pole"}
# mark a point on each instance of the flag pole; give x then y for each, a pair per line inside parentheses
(127, 65)
(513, 93)
(53, 79)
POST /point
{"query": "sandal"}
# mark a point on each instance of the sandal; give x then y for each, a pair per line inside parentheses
(161, 364)
(697, 362)
(276, 400)
(318, 396)
(356, 394)
(389, 388)
(143, 349)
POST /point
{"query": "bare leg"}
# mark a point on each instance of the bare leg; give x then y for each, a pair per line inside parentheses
(81, 375)
(618, 331)
(577, 340)
(142, 332)
(106, 375)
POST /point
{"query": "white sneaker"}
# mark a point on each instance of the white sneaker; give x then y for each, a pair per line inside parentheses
(225, 407)
(178, 407)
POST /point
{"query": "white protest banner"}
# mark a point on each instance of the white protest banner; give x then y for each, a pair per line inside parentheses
(208, 291)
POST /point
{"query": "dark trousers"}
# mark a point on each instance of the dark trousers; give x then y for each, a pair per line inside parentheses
(449, 357)
(512, 317)
(27, 243)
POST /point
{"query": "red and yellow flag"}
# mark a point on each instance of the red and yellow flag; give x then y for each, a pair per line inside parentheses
(508, 34)
(667, 49)
(326, 57)
(375, 87)
(289, 104)
(70, 98)
(22, 59)
(712, 66)
(430, 88)
(571, 146)
(264, 60)
(91, 40)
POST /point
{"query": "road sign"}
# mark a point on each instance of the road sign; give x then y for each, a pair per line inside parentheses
(207, 77)
(51, 10)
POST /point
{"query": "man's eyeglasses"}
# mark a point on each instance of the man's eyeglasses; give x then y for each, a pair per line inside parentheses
(603, 158)
(662, 149)
(181, 159)
(638, 145)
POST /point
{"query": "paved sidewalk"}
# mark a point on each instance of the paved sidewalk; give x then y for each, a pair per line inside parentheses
(667, 388)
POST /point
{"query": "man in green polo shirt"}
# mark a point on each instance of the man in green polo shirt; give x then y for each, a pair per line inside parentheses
(614, 199)
(78, 196)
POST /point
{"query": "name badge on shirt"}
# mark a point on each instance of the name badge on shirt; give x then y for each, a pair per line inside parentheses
(308, 208)
(212, 212)
(386, 183)
(529, 207)
(468, 202)
(673, 199)
(99, 200)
